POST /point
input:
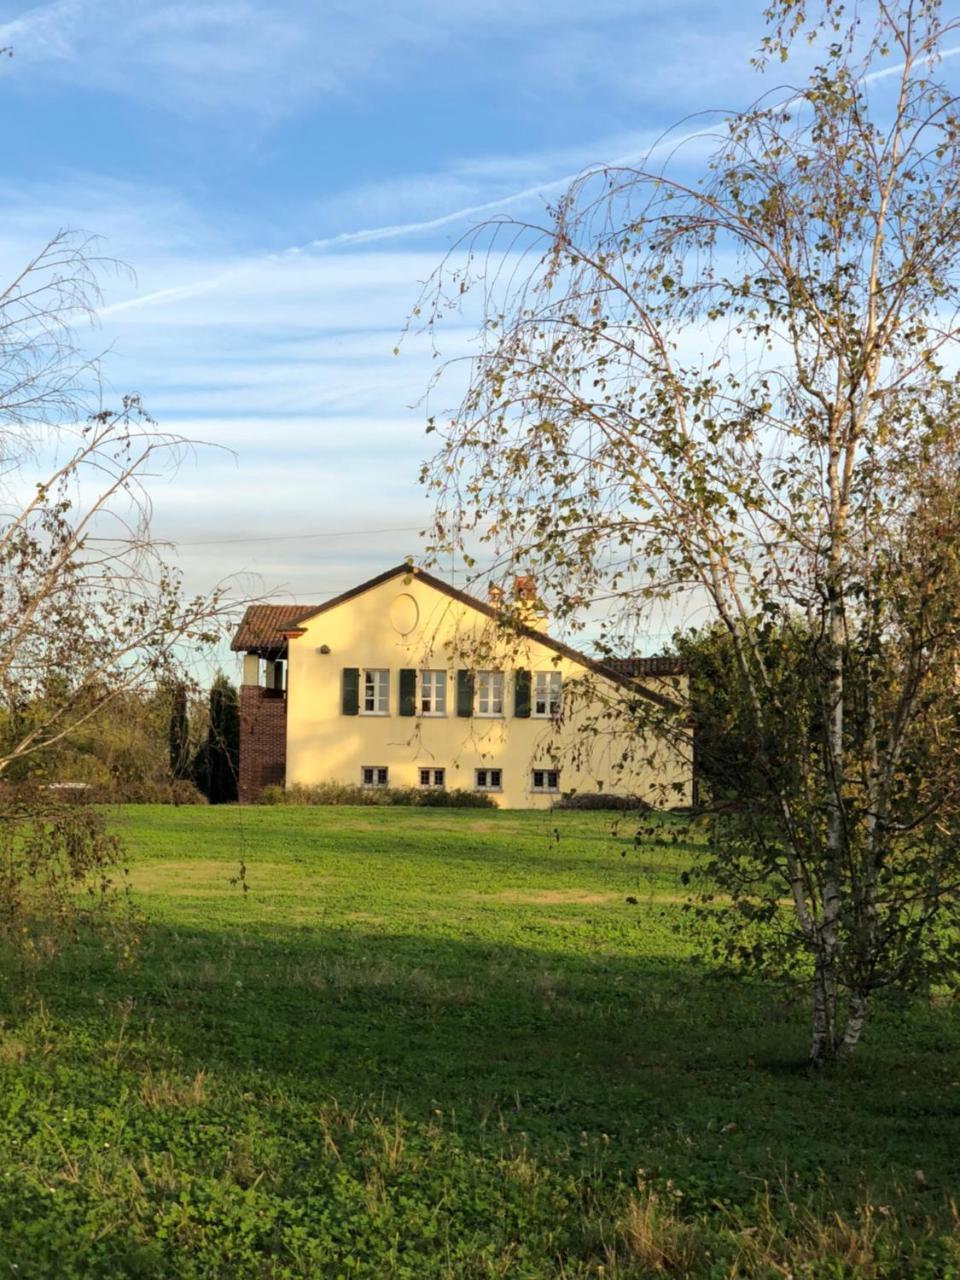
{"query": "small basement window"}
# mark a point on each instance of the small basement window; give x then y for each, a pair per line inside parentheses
(489, 780)
(546, 780)
(433, 777)
(374, 775)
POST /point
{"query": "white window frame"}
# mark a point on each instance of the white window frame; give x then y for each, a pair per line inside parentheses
(381, 691)
(433, 693)
(487, 784)
(547, 695)
(380, 775)
(490, 694)
(545, 785)
(436, 778)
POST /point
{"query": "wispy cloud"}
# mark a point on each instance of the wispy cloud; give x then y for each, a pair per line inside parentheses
(44, 32)
(243, 59)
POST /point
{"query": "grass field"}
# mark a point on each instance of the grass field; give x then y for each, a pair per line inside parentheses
(432, 1043)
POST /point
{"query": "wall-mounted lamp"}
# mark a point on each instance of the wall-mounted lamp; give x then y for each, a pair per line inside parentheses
(324, 648)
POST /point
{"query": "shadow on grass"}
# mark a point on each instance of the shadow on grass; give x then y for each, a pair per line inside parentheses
(688, 1076)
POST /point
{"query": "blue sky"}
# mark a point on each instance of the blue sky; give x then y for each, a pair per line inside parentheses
(266, 169)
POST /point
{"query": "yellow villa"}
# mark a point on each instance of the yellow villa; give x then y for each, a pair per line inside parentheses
(406, 681)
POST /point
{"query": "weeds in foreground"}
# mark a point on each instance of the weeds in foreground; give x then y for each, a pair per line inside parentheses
(774, 1238)
(655, 1238)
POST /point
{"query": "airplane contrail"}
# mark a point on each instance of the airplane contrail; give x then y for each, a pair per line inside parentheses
(396, 231)
(374, 235)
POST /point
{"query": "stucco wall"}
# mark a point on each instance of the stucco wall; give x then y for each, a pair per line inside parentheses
(409, 624)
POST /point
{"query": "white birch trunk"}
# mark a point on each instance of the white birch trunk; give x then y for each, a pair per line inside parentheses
(823, 1040)
(856, 1016)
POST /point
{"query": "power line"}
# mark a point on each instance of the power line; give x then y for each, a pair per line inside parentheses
(294, 537)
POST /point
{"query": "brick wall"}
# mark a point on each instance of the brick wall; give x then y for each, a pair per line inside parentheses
(263, 740)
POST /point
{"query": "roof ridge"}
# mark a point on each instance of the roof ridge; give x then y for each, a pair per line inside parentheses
(598, 665)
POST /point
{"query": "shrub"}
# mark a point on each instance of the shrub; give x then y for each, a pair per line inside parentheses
(601, 800)
(455, 799)
(180, 791)
(117, 791)
(60, 871)
(128, 791)
(328, 793)
(273, 795)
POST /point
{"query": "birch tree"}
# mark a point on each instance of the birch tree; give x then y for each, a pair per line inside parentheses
(738, 392)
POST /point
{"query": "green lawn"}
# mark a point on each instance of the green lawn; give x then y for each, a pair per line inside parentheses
(442, 1043)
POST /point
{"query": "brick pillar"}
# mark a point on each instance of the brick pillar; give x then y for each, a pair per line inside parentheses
(263, 740)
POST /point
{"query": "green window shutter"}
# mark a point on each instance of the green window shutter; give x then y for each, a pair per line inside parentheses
(408, 692)
(521, 695)
(351, 691)
(464, 693)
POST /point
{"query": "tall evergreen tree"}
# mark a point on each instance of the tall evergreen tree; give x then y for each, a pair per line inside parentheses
(179, 732)
(217, 763)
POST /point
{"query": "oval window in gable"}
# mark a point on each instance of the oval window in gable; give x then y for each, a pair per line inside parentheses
(404, 614)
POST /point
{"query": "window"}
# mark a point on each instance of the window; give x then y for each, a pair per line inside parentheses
(547, 696)
(376, 693)
(433, 693)
(546, 779)
(489, 780)
(374, 775)
(432, 777)
(489, 693)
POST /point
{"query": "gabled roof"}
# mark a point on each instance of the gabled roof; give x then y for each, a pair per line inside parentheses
(266, 627)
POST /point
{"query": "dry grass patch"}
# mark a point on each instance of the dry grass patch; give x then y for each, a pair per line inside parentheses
(653, 1238)
(818, 1242)
(12, 1050)
(766, 1242)
(388, 1143)
(158, 1089)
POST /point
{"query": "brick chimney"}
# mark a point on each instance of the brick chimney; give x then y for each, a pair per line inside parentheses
(528, 605)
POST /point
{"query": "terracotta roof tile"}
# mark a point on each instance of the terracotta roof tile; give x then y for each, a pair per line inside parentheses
(262, 625)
